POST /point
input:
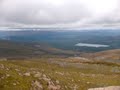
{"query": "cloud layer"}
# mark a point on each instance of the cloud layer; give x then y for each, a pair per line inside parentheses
(60, 13)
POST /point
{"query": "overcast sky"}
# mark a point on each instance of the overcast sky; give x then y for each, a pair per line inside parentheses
(60, 13)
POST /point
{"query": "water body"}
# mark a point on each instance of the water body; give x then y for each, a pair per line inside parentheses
(90, 45)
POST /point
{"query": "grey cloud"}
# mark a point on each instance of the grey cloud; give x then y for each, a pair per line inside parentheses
(26, 12)
(43, 13)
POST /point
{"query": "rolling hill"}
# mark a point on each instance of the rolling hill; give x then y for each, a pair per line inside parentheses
(19, 49)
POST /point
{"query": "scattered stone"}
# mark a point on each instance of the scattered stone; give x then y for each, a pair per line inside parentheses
(32, 68)
(37, 75)
(7, 69)
(72, 80)
(2, 66)
(88, 82)
(57, 82)
(2, 77)
(20, 74)
(46, 79)
(66, 86)
(53, 87)
(36, 86)
(44, 76)
(14, 84)
(34, 72)
(7, 75)
(27, 74)
(60, 73)
(75, 87)
(17, 70)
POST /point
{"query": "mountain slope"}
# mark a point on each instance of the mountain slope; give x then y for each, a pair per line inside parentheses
(41, 74)
(109, 54)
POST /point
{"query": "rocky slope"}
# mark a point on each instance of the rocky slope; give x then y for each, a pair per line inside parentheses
(56, 74)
